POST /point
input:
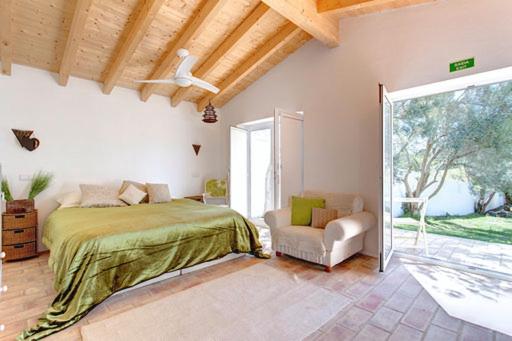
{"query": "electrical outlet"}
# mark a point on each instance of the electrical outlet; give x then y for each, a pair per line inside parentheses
(25, 177)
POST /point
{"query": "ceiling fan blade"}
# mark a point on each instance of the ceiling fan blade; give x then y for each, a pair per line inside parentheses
(156, 81)
(204, 85)
(186, 66)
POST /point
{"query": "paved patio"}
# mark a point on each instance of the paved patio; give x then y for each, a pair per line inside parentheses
(489, 256)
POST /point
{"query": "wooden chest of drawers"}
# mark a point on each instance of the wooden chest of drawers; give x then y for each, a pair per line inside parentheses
(19, 235)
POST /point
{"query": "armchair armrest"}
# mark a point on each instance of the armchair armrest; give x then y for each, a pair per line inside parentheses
(347, 227)
(278, 218)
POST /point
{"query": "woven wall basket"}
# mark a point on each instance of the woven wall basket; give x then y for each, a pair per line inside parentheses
(19, 206)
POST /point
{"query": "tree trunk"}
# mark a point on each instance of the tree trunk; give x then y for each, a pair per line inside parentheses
(483, 203)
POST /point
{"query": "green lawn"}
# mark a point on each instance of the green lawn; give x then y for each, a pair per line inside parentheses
(473, 226)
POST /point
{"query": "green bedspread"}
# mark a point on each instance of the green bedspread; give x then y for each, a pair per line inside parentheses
(95, 252)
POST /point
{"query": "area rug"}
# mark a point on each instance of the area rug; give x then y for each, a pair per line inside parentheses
(258, 303)
(478, 299)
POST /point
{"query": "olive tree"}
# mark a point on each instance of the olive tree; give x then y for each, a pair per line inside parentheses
(456, 130)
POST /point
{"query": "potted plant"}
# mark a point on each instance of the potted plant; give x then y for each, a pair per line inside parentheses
(40, 181)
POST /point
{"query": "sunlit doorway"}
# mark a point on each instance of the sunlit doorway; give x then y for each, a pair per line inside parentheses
(251, 168)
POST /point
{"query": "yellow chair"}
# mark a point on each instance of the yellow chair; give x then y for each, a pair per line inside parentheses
(216, 192)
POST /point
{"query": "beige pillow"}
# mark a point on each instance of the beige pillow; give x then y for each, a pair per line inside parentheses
(69, 200)
(132, 195)
(137, 185)
(100, 196)
(322, 216)
(158, 193)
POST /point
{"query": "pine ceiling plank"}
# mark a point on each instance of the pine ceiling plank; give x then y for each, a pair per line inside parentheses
(6, 36)
(360, 7)
(303, 13)
(270, 46)
(206, 13)
(75, 35)
(129, 42)
(224, 48)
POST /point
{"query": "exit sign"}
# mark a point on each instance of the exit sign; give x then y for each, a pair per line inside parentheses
(462, 64)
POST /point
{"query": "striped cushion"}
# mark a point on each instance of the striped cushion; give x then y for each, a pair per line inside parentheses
(322, 216)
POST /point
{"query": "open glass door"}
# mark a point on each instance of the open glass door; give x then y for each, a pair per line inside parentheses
(386, 207)
(239, 170)
(289, 156)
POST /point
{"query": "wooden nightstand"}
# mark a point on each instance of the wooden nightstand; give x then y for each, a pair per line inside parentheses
(19, 235)
(196, 198)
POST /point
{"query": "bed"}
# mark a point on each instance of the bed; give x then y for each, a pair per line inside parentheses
(96, 252)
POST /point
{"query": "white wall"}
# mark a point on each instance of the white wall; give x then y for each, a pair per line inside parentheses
(88, 137)
(454, 198)
(338, 88)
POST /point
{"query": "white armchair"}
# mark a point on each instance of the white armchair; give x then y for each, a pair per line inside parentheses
(341, 238)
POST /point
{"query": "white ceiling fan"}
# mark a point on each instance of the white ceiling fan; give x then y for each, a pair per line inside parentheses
(183, 76)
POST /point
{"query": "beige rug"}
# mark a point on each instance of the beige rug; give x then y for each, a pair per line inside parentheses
(256, 303)
(478, 299)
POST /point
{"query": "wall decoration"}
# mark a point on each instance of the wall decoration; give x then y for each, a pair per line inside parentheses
(25, 140)
(209, 114)
(196, 148)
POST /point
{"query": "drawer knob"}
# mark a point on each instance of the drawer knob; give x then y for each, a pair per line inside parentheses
(2, 255)
(19, 216)
(3, 289)
(19, 246)
(18, 231)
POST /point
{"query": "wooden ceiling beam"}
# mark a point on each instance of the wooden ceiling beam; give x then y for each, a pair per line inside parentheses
(368, 6)
(223, 49)
(193, 28)
(288, 32)
(303, 13)
(6, 36)
(75, 35)
(129, 42)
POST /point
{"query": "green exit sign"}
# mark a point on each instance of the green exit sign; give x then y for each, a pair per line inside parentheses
(462, 64)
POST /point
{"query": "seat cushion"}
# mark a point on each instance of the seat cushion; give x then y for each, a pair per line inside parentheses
(303, 238)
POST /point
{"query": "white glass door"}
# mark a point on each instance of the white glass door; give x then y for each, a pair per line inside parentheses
(261, 176)
(386, 207)
(239, 170)
(289, 156)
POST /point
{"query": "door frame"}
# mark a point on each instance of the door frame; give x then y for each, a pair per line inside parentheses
(278, 114)
(247, 164)
(384, 259)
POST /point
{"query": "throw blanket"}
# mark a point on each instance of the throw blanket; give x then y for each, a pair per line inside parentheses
(95, 252)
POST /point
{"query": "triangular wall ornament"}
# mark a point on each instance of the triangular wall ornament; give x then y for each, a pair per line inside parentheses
(196, 148)
(25, 140)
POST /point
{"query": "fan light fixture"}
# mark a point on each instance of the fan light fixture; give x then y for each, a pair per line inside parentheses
(209, 114)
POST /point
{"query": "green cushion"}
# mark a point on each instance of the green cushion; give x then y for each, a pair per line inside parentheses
(302, 209)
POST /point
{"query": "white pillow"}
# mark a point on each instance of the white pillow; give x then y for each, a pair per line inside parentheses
(132, 195)
(71, 199)
(100, 196)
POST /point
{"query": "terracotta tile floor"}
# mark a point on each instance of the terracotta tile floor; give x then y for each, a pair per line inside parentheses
(390, 306)
(489, 256)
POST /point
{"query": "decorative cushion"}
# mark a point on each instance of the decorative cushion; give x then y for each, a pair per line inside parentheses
(322, 216)
(71, 199)
(302, 209)
(138, 185)
(100, 196)
(345, 203)
(158, 193)
(132, 195)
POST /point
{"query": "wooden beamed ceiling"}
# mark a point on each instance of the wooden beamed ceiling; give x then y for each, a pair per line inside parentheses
(343, 8)
(6, 36)
(116, 42)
